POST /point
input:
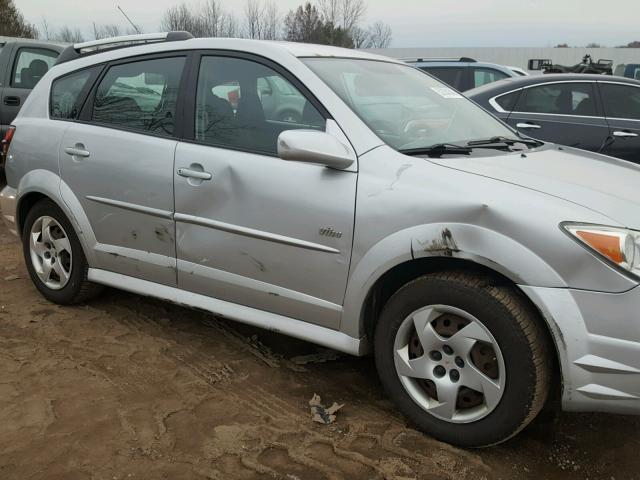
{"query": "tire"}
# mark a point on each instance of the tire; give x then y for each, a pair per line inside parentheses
(502, 380)
(71, 285)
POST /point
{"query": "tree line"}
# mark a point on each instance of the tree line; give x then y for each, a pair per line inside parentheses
(331, 22)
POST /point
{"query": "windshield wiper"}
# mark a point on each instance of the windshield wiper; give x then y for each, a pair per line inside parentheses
(438, 150)
(500, 141)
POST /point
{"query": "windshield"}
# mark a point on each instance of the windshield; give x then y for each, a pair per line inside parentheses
(405, 107)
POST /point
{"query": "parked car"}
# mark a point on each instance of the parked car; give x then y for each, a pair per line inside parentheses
(592, 112)
(462, 73)
(630, 70)
(483, 269)
(23, 63)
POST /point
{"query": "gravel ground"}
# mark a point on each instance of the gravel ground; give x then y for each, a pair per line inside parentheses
(130, 387)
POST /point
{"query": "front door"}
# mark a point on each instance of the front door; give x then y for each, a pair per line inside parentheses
(566, 113)
(118, 161)
(251, 228)
(622, 106)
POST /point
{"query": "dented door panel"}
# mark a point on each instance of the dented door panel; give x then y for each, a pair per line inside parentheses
(264, 232)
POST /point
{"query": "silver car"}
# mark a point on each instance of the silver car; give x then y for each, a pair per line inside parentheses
(485, 271)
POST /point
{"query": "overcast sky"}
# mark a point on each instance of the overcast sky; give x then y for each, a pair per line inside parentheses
(415, 23)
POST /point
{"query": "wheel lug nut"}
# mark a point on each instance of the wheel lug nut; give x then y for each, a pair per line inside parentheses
(447, 349)
(454, 375)
(439, 371)
(435, 355)
(459, 362)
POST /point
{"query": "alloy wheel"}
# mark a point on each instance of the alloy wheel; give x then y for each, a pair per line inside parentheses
(50, 251)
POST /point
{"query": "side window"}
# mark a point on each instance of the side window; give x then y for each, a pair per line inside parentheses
(483, 76)
(140, 96)
(621, 101)
(30, 66)
(559, 99)
(508, 101)
(452, 76)
(245, 105)
(65, 93)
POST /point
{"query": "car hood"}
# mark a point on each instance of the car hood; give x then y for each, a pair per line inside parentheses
(603, 184)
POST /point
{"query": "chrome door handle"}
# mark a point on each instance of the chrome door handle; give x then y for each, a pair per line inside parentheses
(528, 126)
(76, 152)
(622, 134)
(188, 173)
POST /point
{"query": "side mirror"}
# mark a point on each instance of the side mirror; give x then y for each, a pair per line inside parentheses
(313, 146)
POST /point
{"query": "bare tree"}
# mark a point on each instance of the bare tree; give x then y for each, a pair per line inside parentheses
(360, 37)
(45, 29)
(272, 22)
(105, 31)
(330, 10)
(213, 18)
(351, 13)
(69, 35)
(254, 21)
(178, 18)
(379, 35)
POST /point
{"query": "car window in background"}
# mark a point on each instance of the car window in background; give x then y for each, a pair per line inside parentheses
(140, 95)
(404, 107)
(31, 65)
(233, 107)
(453, 76)
(508, 101)
(621, 101)
(64, 95)
(559, 99)
(483, 76)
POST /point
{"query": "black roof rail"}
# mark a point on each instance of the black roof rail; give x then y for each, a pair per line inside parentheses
(438, 59)
(79, 50)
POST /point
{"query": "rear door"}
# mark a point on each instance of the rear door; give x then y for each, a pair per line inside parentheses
(118, 161)
(253, 229)
(622, 108)
(567, 113)
(29, 64)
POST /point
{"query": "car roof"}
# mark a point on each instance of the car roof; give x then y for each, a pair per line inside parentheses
(30, 41)
(514, 83)
(267, 48)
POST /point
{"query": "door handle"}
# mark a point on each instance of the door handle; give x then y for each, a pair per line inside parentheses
(528, 126)
(12, 101)
(188, 173)
(623, 134)
(77, 151)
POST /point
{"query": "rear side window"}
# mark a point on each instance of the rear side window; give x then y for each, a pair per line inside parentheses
(508, 101)
(453, 76)
(621, 101)
(31, 65)
(483, 76)
(65, 95)
(140, 96)
(559, 99)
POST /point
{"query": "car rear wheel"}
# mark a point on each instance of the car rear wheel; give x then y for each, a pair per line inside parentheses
(54, 257)
(464, 358)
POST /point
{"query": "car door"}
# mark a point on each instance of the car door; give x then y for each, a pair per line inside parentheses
(251, 228)
(118, 162)
(28, 67)
(567, 113)
(622, 108)
(456, 76)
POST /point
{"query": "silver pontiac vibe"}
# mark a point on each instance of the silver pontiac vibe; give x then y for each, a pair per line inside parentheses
(384, 214)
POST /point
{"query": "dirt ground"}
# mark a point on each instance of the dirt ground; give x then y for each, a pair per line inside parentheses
(130, 387)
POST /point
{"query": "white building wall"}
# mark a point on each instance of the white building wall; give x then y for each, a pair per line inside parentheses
(517, 57)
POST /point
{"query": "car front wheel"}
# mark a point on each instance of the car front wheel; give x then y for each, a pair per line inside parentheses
(464, 357)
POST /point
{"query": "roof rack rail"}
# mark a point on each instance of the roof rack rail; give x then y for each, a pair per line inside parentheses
(79, 50)
(438, 59)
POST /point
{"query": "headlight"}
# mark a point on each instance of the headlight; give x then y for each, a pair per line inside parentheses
(617, 245)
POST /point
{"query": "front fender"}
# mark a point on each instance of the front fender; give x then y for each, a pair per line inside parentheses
(452, 240)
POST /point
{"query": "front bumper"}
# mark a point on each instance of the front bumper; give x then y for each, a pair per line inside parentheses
(597, 337)
(8, 207)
